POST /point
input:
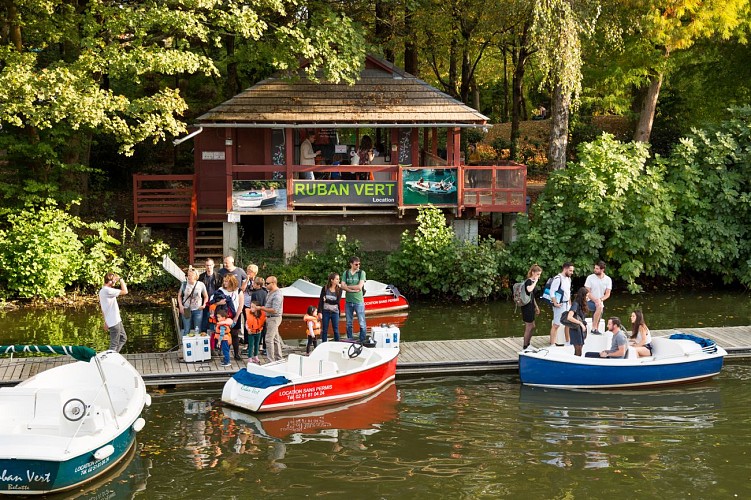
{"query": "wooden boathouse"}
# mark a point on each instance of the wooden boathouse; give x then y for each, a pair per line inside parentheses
(251, 144)
(247, 151)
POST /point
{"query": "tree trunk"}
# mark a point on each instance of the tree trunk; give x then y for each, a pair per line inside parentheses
(410, 40)
(647, 110)
(517, 95)
(232, 83)
(384, 27)
(558, 127)
(504, 111)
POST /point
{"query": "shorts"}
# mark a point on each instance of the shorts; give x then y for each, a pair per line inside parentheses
(557, 311)
(649, 346)
(592, 306)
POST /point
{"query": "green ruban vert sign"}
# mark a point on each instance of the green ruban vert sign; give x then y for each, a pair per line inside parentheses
(337, 193)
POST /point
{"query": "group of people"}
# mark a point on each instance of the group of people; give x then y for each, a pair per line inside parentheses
(571, 313)
(232, 304)
(363, 155)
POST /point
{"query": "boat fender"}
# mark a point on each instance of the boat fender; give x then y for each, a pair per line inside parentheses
(139, 424)
(74, 409)
(147, 400)
(104, 452)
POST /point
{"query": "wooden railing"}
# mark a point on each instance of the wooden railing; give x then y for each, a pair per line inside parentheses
(496, 188)
(170, 198)
(162, 198)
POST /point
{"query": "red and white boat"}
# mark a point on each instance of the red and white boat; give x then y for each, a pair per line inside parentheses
(333, 373)
(380, 298)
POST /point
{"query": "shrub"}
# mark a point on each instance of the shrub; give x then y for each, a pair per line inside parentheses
(40, 253)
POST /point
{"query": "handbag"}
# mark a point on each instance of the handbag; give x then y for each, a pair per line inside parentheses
(186, 310)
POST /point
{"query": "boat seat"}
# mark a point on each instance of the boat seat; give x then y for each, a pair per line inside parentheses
(305, 366)
(48, 409)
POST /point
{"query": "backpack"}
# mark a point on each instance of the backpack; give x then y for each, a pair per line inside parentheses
(546, 297)
(359, 273)
(521, 297)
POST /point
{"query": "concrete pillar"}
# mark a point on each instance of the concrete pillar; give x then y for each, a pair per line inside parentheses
(509, 228)
(230, 241)
(289, 237)
(465, 229)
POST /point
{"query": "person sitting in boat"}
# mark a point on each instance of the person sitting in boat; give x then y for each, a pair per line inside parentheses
(577, 328)
(255, 320)
(641, 339)
(619, 344)
(223, 332)
(421, 182)
(312, 327)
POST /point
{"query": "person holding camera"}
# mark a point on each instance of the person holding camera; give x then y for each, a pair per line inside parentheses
(111, 311)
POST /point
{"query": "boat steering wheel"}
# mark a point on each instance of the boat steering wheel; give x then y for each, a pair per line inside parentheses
(354, 350)
(74, 410)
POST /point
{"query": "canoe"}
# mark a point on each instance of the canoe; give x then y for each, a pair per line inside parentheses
(334, 372)
(70, 424)
(676, 360)
(379, 298)
(256, 198)
(430, 187)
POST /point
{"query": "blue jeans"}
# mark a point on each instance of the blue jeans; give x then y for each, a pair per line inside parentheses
(225, 352)
(334, 318)
(205, 320)
(351, 308)
(193, 322)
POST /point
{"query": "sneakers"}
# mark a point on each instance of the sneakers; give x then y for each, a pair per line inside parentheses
(226, 364)
(596, 332)
(255, 360)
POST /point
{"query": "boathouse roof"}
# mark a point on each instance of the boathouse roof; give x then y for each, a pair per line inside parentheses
(383, 96)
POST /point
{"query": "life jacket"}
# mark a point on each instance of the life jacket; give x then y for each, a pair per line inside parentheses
(254, 323)
(224, 325)
(212, 313)
(316, 325)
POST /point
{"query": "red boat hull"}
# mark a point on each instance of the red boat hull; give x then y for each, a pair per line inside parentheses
(331, 390)
(295, 307)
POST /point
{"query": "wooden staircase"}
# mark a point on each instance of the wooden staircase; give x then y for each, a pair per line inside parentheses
(209, 239)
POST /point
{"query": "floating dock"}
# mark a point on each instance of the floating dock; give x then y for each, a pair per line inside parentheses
(416, 359)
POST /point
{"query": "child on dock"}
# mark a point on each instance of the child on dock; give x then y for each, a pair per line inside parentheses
(255, 319)
(223, 334)
(312, 327)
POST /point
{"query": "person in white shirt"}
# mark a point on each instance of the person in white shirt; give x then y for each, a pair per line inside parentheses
(599, 286)
(111, 310)
(561, 282)
(308, 155)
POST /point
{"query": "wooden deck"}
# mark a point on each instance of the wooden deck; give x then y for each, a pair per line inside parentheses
(421, 358)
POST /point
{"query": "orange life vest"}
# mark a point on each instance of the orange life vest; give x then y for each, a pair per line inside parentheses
(254, 323)
(316, 325)
(226, 325)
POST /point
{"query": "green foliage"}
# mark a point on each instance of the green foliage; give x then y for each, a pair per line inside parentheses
(40, 253)
(432, 261)
(610, 205)
(425, 259)
(711, 172)
(334, 259)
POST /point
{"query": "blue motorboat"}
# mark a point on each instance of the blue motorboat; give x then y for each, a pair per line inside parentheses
(70, 424)
(673, 361)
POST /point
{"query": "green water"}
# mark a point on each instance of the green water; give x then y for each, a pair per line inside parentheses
(449, 437)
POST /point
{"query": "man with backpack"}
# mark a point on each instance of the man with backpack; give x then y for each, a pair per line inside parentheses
(353, 282)
(561, 282)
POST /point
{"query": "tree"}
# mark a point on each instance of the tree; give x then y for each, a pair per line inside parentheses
(558, 28)
(71, 68)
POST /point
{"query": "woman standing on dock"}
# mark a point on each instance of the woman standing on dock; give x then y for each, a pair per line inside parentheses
(530, 310)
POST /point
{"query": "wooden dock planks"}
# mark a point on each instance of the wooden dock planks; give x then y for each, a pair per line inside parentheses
(419, 358)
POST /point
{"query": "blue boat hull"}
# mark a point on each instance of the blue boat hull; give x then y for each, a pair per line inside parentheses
(33, 477)
(557, 373)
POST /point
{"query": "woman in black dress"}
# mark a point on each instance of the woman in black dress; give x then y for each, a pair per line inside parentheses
(530, 310)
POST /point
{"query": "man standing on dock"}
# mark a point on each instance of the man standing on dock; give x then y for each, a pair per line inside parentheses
(562, 282)
(111, 310)
(353, 282)
(274, 307)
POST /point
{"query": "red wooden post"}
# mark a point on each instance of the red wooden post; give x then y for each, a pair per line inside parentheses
(289, 156)
(415, 140)
(229, 161)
